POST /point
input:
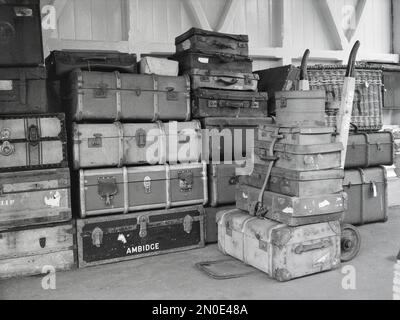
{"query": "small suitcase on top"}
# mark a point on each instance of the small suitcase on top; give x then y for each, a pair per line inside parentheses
(60, 63)
(23, 90)
(20, 33)
(283, 252)
(197, 39)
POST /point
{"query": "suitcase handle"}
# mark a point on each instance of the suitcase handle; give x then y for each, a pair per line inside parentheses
(95, 58)
(228, 81)
(311, 247)
(231, 104)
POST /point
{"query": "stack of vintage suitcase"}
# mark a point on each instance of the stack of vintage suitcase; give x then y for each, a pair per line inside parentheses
(139, 180)
(35, 207)
(226, 101)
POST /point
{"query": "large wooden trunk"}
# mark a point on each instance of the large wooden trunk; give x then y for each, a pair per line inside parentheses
(20, 33)
(294, 211)
(296, 183)
(217, 103)
(61, 63)
(369, 150)
(131, 236)
(283, 252)
(223, 80)
(30, 142)
(116, 145)
(367, 194)
(301, 158)
(208, 60)
(123, 190)
(114, 96)
(23, 90)
(225, 136)
(25, 252)
(34, 197)
(198, 40)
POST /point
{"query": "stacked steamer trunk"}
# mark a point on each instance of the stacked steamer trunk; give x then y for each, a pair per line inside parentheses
(226, 101)
(296, 186)
(369, 149)
(140, 185)
(35, 208)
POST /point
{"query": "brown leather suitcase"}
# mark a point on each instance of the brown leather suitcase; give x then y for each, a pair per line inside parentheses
(237, 104)
(123, 190)
(29, 142)
(196, 39)
(123, 237)
(23, 91)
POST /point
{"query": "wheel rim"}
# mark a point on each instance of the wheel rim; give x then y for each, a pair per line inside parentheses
(350, 243)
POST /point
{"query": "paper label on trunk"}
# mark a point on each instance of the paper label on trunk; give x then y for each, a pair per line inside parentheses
(203, 60)
(324, 204)
(54, 200)
(6, 85)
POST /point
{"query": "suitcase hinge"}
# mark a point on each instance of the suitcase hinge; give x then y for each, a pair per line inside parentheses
(143, 221)
(95, 142)
(141, 138)
(147, 184)
(33, 135)
(107, 189)
(185, 181)
(188, 224)
(101, 91)
(97, 237)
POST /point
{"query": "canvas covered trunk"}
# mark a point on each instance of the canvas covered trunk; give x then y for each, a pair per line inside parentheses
(34, 198)
(61, 63)
(296, 183)
(117, 144)
(367, 194)
(209, 60)
(114, 96)
(294, 211)
(23, 90)
(301, 158)
(196, 39)
(217, 103)
(25, 252)
(30, 142)
(370, 149)
(131, 236)
(283, 252)
(222, 80)
(123, 190)
(20, 33)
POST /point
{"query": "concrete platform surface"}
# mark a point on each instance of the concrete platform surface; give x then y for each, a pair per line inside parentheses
(175, 277)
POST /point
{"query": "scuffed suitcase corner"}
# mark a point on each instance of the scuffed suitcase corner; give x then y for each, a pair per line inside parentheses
(281, 237)
(282, 275)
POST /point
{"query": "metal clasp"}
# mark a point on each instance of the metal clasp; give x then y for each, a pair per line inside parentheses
(185, 181)
(143, 221)
(97, 237)
(107, 189)
(141, 138)
(95, 142)
(147, 184)
(7, 149)
(188, 224)
(33, 135)
(101, 91)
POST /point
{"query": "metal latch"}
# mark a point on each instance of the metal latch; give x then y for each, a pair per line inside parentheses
(185, 180)
(7, 149)
(204, 78)
(147, 184)
(42, 242)
(213, 104)
(101, 91)
(143, 221)
(283, 102)
(188, 224)
(95, 142)
(107, 189)
(97, 237)
(172, 95)
(33, 135)
(141, 138)
(234, 180)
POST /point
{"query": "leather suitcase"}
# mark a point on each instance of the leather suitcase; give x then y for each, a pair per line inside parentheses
(221, 137)
(26, 252)
(300, 158)
(34, 198)
(130, 236)
(197, 39)
(208, 60)
(297, 135)
(123, 190)
(20, 33)
(217, 103)
(368, 195)
(300, 108)
(60, 63)
(282, 252)
(23, 90)
(369, 150)
(211, 222)
(222, 180)
(32, 142)
(294, 211)
(297, 183)
(116, 145)
(222, 80)
(117, 96)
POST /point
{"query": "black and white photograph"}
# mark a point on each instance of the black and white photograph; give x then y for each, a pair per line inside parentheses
(218, 151)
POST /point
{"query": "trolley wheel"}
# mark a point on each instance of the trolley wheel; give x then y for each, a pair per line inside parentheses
(350, 242)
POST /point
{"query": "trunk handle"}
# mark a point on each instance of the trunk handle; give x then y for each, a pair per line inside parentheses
(226, 81)
(322, 244)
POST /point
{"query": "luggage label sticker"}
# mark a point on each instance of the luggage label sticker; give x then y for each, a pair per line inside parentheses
(54, 200)
(6, 85)
(7, 202)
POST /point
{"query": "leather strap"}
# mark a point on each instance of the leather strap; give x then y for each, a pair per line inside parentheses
(156, 100)
(33, 150)
(121, 151)
(118, 96)
(126, 189)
